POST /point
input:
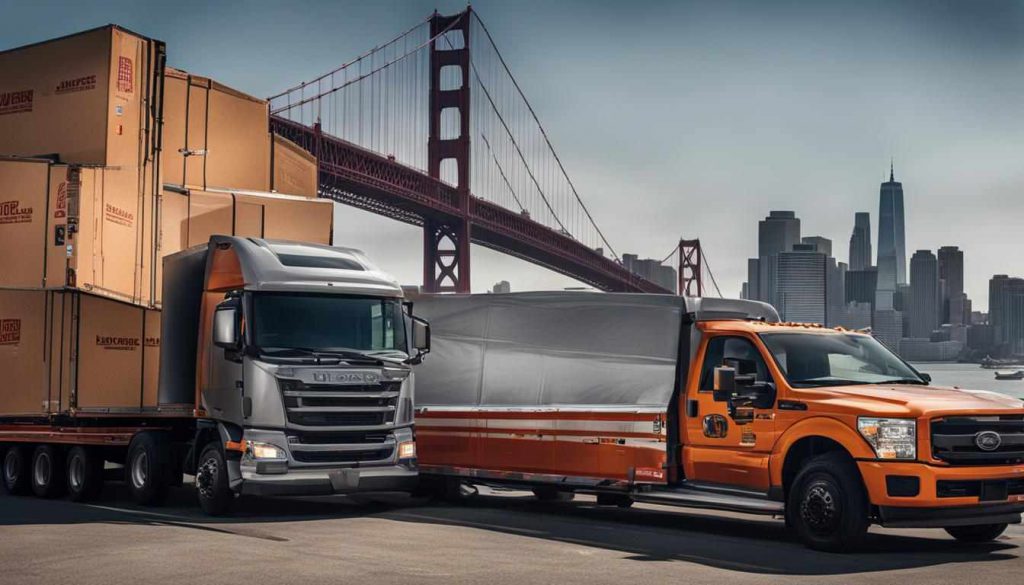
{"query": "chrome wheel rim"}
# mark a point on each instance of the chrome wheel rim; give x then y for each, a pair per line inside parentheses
(140, 470)
(41, 471)
(76, 473)
(10, 466)
(819, 509)
(206, 477)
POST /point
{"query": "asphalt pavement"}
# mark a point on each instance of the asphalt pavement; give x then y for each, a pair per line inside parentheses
(495, 538)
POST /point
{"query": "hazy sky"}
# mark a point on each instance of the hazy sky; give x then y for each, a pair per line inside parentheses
(703, 116)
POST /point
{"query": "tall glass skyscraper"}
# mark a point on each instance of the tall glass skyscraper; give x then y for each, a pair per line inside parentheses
(892, 244)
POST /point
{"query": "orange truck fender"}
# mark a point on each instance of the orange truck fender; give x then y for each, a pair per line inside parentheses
(822, 427)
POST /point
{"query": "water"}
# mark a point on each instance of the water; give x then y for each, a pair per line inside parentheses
(973, 377)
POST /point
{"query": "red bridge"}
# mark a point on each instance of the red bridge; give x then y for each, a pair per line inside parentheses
(405, 129)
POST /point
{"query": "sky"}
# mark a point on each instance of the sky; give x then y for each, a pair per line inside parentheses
(680, 119)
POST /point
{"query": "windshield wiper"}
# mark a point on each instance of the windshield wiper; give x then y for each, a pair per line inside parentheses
(917, 381)
(329, 353)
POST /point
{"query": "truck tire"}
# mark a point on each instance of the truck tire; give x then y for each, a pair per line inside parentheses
(16, 470)
(47, 475)
(828, 505)
(215, 496)
(146, 468)
(620, 500)
(976, 533)
(84, 474)
(550, 494)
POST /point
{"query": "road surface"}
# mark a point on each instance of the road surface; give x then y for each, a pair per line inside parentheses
(494, 538)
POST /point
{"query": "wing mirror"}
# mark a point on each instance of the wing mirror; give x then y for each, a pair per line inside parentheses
(742, 390)
(227, 327)
(420, 338)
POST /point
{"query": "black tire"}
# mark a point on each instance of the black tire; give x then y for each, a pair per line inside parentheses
(47, 473)
(147, 468)
(827, 504)
(84, 474)
(976, 533)
(620, 500)
(212, 489)
(550, 494)
(15, 470)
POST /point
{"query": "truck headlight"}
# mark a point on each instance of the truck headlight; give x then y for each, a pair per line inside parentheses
(407, 450)
(891, 438)
(262, 451)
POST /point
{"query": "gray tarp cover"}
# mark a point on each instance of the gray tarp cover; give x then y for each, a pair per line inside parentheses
(558, 349)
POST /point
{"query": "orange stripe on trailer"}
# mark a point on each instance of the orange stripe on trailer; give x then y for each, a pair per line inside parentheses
(428, 413)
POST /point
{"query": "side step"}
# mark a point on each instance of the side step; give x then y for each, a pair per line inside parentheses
(711, 500)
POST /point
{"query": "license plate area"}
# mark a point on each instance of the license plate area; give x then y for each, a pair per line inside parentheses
(994, 491)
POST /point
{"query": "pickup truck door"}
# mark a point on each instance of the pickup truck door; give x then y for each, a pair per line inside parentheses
(720, 448)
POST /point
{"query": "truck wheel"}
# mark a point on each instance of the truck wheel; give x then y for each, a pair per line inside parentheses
(976, 533)
(550, 494)
(47, 472)
(620, 500)
(84, 474)
(15, 470)
(215, 497)
(146, 468)
(827, 504)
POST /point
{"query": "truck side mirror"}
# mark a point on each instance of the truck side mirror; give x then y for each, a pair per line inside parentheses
(226, 327)
(420, 338)
(725, 383)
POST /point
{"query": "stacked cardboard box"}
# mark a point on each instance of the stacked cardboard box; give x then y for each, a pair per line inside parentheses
(110, 161)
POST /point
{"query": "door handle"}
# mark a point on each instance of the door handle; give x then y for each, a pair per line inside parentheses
(692, 407)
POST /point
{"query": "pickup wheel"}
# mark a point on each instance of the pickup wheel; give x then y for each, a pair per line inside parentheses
(215, 496)
(16, 470)
(47, 472)
(84, 474)
(976, 533)
(146, 469)
(828, 505)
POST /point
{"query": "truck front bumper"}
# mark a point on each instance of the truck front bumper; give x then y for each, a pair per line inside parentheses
(915, 494)
(322, 482)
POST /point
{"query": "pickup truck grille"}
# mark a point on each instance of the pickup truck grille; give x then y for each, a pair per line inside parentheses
(955, 439)
(331, 405)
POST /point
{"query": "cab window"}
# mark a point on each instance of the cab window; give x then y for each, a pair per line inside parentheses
(736, 352)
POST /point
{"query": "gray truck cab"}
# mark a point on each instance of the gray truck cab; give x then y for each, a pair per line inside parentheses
(299, 358)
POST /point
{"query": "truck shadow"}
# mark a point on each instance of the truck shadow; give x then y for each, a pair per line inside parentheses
(748, 544)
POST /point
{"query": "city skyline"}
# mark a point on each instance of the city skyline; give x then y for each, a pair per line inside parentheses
(838, 88)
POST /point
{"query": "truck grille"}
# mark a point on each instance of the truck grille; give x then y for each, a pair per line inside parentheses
(330, 405)
(341, 448)
(955, 440)
(335, 458)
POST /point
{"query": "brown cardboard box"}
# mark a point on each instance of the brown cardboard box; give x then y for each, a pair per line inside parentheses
(196, 215)
(66, 351)
(214, 136)
(80, 226)
(89, 98)
(293, 169)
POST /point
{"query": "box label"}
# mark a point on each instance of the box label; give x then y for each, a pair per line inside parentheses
(10, 331)
(13, 212)
(84, 83)
(115, 214)
(117, 343)
(16, 102)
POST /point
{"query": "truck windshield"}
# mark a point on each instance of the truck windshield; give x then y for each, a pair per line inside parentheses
(326, 323)
(811, 360)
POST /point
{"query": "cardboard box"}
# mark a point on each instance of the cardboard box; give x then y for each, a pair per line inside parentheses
(214, 136)
(89, 98)
(191, 218)
(293, 169)
(68, 351)
(78, 226)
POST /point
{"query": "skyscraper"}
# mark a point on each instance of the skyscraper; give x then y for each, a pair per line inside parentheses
(951, 277)
(1006, 313)
(777, 233)
(802, 285)
(924, 294)
(860, 242)
(652, 270)
(892, 246)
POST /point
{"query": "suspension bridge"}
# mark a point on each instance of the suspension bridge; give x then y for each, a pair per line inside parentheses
(431, 128)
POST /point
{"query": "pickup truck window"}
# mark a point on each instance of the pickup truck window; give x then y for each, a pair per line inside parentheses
(812, 360)
(737, 352)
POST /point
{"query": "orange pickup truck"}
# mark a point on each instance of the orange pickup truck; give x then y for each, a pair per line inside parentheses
(709, 403)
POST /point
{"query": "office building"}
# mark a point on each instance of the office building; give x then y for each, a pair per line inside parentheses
(1006, 314)
(777, 233)
(652, 270)
(923, 305)
(502, 287)
(925, 350)
(802, 285)
(860, 285)
(853, 316)
(823, 245)
(951, 278)
(860, 242)
(892, 248)
(887, 327)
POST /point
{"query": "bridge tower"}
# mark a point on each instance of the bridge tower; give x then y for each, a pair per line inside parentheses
(691, 282)
(446, 242)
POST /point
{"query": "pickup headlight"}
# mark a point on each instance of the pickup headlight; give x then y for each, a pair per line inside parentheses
(891, 438)
(256, 450)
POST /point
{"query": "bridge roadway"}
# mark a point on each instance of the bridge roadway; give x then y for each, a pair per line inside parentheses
(365, 179)
(494, 539)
